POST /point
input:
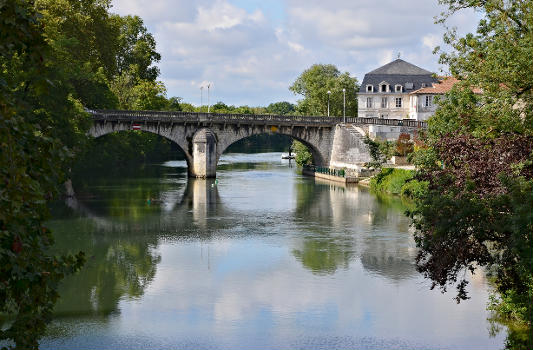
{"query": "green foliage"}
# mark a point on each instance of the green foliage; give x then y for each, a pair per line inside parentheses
(314, 83)
(303, 156)
(414, 188)
(497, 61)
(391, 180)
(82, 39)
(136, 52)
(31, 165)
(280, 108)
(380, 151)
(477, 163)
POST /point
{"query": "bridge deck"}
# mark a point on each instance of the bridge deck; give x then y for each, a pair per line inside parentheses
(255, 119)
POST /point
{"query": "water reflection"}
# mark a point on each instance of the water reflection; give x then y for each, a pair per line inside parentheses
(357, 225)
(201, 197)
(263, 258)
(118, 266)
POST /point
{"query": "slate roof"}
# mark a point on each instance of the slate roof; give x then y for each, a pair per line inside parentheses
(398, 72)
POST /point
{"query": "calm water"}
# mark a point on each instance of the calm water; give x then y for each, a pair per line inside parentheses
(264, 259)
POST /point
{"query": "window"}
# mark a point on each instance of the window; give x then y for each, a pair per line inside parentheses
(398, 102)
(398, 88)
(409, 85)
(384, 88)
(369, 102)
(384, 102)
(369, 88)
(428, 101)
(423, 85)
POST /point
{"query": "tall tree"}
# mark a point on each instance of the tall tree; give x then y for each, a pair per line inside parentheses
(136, 53)
(84, 44)
(31, 163)
(315, 82)
(477, 161)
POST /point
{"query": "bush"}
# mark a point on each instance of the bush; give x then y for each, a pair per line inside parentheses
(404, 146)
(414, 188)
(391, 180)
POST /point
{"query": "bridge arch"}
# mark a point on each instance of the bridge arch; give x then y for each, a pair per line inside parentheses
(101, 129)
(318, 158)
(316, 140)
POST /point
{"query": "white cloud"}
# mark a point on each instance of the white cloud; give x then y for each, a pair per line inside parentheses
(253, 54)
(431, 41)
(223, 15)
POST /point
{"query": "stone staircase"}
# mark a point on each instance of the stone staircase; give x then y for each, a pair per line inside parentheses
(358, 134)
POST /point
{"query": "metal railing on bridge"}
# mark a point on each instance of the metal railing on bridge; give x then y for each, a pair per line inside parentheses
(196, 117)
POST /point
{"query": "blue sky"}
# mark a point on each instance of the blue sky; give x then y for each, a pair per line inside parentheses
(251, 51)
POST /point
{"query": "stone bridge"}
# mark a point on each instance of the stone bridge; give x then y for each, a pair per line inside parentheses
(204, 137)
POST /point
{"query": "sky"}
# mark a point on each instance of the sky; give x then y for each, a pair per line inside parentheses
(251, 51)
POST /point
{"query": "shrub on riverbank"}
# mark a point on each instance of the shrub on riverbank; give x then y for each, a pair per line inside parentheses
(390, 180)
(398, 181)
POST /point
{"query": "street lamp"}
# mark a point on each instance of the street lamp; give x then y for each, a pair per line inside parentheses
(201, 97)
(344, 105)
(329, 93)
(208, 105)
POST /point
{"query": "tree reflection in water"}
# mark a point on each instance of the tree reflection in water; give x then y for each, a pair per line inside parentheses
(119, 232)
(360, 227)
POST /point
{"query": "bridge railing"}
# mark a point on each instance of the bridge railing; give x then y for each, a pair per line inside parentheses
(325, 170)
(172, 116)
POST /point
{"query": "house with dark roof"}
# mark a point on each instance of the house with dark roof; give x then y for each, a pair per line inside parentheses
(385, 91)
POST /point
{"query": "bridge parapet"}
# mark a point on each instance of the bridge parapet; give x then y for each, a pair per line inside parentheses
(215, 118)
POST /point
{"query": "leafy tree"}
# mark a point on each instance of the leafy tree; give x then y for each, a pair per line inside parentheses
(149, 95)
(83, 42)
(31, 169)
(136, 54)
(476, 161)
(314, 83)
(280, 108)
(303, 156)
(174, 104)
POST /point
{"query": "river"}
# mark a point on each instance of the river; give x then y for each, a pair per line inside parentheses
(261, 258)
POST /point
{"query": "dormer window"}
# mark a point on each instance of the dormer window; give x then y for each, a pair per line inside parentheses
(409, 85)
(384, 88)
(369, 88)
(398, 88)
(423, 85)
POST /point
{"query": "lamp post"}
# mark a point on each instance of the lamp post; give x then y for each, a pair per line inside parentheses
(344, 105)
(329, 93)
(201, 97)
(208, 105)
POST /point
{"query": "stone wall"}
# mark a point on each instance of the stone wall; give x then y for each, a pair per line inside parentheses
(348, 149)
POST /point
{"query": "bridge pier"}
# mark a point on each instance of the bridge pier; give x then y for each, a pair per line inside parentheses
(204, 154)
